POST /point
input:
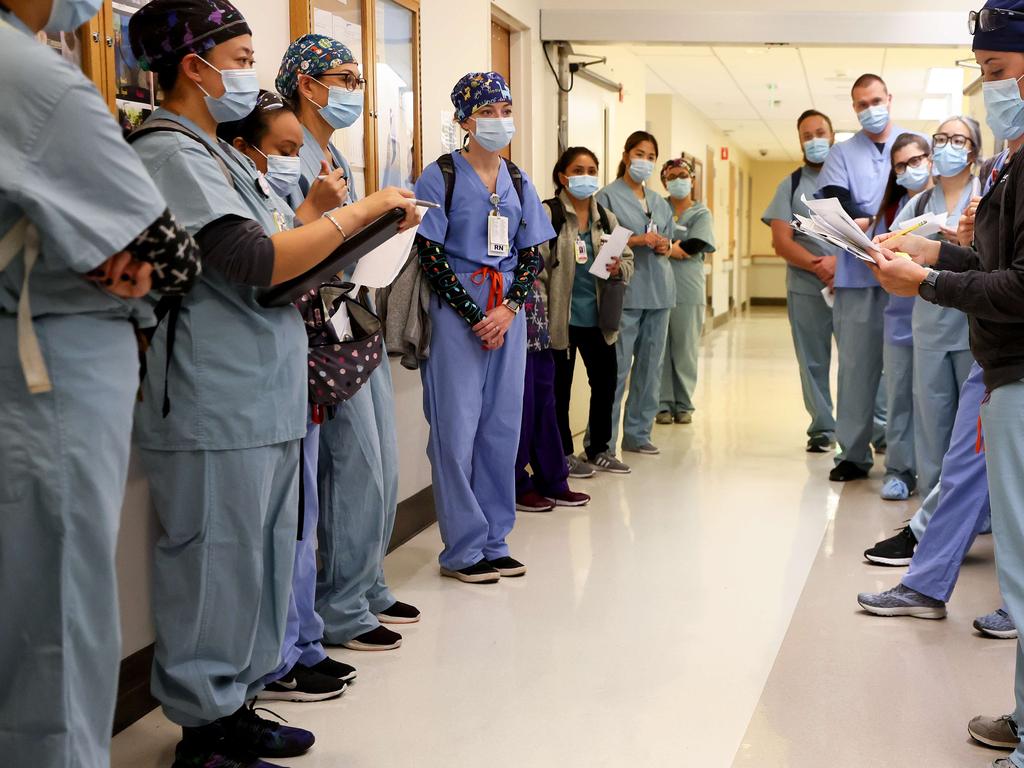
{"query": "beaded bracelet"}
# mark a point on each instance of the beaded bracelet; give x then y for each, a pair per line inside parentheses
(327, 215)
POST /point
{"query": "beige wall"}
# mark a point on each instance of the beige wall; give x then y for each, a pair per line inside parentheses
(768, 271)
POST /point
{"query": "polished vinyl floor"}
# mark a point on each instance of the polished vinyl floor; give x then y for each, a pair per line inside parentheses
(699, 613)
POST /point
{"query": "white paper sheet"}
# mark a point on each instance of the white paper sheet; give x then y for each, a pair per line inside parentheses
(830, 222)
(829, 295)
(382, 265)
(342, 323)
(611, 250)
(931, 224)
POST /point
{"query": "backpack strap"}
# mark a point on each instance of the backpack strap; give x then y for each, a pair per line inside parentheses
(606, 223)
(447, 166)
(794, 181)
(557, 223)
(922, 200)
(517, 181)
(23, 237)
(170, 126)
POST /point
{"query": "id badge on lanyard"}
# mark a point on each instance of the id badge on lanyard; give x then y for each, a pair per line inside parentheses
(651, 226)
(581, 251)
(497, 231)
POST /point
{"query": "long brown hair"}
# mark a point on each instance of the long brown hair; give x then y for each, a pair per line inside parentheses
(635, 138)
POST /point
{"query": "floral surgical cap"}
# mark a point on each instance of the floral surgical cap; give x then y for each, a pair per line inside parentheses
(310, 55)
(476, 90)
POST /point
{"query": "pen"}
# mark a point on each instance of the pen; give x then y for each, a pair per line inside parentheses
(425, 204)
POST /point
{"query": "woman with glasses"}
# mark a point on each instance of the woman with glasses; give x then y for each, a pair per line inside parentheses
(910, 176)
(942, 349)
(986, 283)
(358, 462)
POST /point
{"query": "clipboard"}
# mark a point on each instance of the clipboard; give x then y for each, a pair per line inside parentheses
(344, 256)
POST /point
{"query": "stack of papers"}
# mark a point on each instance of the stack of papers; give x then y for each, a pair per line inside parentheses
(925, 225)
(829, 223)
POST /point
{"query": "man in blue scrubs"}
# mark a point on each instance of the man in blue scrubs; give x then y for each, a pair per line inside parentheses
(856, 172)
(810, 269)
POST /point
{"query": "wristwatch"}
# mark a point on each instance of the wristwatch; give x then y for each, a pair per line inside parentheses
(928, 290)
(512, 306)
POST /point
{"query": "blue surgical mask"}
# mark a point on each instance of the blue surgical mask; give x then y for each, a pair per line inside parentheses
(949, 161)
(69, 15)
(680, 189)
(640, 170)
(343, 107)
(915, 179)
(582, 187)
(283, 172)
(1004, 108)
(816, 150)
(874, 119)
(241, 89)
(494, 133)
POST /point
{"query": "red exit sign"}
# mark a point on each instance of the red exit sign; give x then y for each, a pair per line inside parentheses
(725, 153)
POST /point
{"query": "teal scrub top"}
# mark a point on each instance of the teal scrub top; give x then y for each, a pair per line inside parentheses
(65, 167)
(939, 328)
(653, 285)
(583, 308)
(237, 379)
(695, 223)
(782, 208)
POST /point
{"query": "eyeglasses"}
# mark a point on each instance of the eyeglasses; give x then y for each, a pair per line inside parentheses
(990, 19)
(939, 140)
(913, 162)
(349, 81)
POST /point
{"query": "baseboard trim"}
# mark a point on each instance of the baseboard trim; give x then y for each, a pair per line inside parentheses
(768, 301)
(134, 700)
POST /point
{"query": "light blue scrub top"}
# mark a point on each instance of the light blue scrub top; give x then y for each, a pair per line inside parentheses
(464, 234)
(583, 307)
(695, 223)
(311, 158)
(859, 166)
(898, 328)
(238, 373)
(782, 208)
(935, 327)
(64, 165)
(653, 285)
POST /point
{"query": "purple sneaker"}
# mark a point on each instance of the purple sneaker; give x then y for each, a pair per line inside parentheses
(191, 755)
(245, 730)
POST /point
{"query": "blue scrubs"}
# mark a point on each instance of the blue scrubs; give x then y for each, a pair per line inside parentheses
(957, 510)
(223, 466)
(63, 453)
(898, 359)
(357, 483)
(810, 318)
(686, 322)
(472, 397)
(647, 308)
(942, 358)
(861, 167)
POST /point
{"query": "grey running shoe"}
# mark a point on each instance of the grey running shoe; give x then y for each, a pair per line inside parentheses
(579, 468)
(648, 449)
(997, 624)
(902, 601)
(684, 417)
(996, 732)
(607, 462)
(663, 417)
(1003, 762)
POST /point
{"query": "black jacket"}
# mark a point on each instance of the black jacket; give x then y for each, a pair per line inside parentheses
(988, 284)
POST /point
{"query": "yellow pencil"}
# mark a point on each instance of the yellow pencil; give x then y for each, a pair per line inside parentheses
(908, 230)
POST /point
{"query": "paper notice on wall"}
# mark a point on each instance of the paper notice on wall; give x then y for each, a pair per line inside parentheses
(323, 22)
(611, 250)
(451, 133)
(381, 266)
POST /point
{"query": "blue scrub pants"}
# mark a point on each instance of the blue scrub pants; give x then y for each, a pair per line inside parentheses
(63, 467)
(222, 574)
(682, 353)
(938, 378)
(810, 321)
(473, 401)
(640, 353)
(859, 321)
(1003, 419)
(900, 460)
(358, 479)
(303, 638)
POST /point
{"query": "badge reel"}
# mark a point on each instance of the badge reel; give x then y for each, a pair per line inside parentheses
(497, 230)
(581, 251)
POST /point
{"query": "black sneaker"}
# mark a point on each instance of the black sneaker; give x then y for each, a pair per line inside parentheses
(303, 684)
(335, 669)
(820, 444)
(478, 573)
(399, 613)
(508, 567)
(247, 731)
(217, 755)
(845, 471)
(896, 551)
(379, 639)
